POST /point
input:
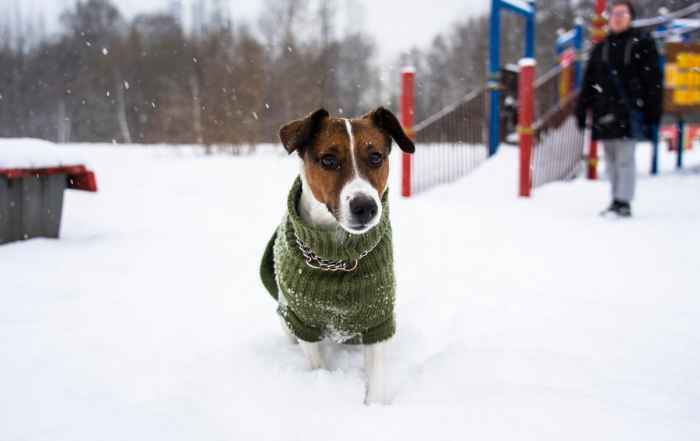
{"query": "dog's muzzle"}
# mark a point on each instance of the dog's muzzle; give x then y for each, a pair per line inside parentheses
(363, 209)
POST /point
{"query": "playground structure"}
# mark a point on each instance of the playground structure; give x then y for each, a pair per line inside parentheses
(460, 137)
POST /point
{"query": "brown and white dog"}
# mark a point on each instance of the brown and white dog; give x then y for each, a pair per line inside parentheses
(344, 174)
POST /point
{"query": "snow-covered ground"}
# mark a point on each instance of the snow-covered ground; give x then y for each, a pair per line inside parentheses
(517, 319)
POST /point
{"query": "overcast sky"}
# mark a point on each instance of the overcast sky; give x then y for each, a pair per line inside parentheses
(397, 25)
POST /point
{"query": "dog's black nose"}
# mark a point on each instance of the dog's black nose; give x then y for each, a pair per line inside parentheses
(363, 209)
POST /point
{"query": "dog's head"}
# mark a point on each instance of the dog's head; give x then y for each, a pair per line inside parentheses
(345, 162)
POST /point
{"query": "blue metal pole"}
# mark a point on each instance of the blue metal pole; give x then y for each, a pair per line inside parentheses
(655, 128)
(578, 45)
(655, 149)
(530, 34)
(494, 80)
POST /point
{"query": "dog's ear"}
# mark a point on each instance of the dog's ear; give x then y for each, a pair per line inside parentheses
(297, 133)
(386, 121)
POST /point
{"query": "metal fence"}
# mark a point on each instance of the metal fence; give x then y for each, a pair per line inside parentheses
(452, 142)
(558, 144)
(546, 93)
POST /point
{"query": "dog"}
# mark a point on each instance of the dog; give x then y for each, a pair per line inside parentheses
(330, 263)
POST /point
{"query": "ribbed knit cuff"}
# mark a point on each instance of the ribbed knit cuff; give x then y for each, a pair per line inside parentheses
(380, 333)
(297, 328)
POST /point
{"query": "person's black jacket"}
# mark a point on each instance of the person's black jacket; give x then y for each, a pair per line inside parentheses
(639, 75)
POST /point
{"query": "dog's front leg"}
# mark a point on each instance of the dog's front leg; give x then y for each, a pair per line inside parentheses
(314, 354)
(376, 359)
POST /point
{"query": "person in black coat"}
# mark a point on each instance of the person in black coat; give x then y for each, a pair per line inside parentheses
(634, 60)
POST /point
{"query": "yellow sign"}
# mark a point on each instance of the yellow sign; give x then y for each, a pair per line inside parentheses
(684, 78)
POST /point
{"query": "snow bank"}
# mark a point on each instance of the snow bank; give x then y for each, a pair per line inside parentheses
(517, 319)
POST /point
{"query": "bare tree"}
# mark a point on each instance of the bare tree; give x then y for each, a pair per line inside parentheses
(121, 107)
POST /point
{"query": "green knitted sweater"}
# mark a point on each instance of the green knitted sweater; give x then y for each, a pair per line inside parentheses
(355, 307)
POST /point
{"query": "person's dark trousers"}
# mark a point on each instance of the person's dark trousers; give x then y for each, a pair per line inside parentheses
(620, 167)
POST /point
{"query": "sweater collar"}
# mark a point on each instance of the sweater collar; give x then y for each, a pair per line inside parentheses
(336, 244)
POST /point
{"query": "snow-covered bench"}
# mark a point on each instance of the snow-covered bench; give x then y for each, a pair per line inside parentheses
(33, 175)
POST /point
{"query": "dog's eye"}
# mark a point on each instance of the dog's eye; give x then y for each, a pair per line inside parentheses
(376, 159)
(329, 162)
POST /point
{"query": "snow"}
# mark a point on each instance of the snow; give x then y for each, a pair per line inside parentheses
(519, 5)
(529, 319)
(527, 62)
(35, 153)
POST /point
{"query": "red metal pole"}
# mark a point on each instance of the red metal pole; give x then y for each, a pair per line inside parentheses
(598, 34)
(407, 87)
(526, 97)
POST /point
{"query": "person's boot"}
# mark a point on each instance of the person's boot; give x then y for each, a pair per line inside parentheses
(612, 209)
(624, 210)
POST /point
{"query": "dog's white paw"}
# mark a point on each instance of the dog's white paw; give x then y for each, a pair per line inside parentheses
(314, 353)
(319, 366)
(374, 398)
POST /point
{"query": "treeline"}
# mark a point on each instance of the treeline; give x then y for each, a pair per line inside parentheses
(104, 79)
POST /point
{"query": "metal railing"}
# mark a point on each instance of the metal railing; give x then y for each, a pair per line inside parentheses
(546, 92)
(558, 144)
(665, 18)
(451, 143)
